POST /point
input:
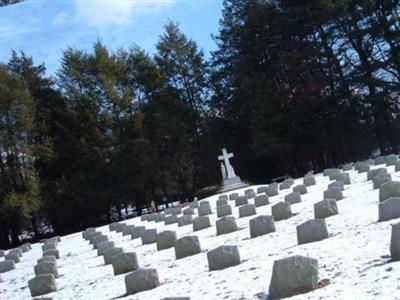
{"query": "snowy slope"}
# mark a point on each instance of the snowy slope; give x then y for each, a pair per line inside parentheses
(354, 258)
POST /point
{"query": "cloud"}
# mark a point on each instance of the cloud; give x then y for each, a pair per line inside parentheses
(60, 19)
(115, 12)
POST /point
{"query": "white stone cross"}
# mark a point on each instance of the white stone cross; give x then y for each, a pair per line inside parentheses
(225, 157)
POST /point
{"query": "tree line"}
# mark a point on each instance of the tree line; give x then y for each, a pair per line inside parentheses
(292, 86)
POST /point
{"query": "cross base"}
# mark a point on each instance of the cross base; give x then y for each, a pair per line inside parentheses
(229, 184)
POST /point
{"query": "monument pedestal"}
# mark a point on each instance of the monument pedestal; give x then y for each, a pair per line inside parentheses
(233, 183)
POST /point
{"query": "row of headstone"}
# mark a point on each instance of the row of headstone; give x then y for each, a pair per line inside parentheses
(13, 257)
(389, 201)
(46, 270)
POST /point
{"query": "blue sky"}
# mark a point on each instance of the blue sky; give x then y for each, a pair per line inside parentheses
(44, 28)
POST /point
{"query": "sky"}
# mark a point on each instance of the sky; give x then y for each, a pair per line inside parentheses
(43, 29)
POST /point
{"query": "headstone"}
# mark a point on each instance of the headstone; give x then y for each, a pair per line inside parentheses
(240, 201)
(175, 210)
(311, 231)
(380, 179)
(223, 197)
(222, 202)
(301, 188)
(331, 173)
(336, 184)
(24, 248)
(309, 180)
(124, 262)
(141, 280)
(233, 196)
(247, 210)
(389, 209)
(103, 247)
(110, 253)
(325, 208)
(13, 256)
(380, 160)
(397, 166)
(389, 189)
(113, 226)
(200, 223)
(137, 232)
(6, 265)
(333, 193)
(194, 204)
(292, 276)
(224, 210)
(261, 200)
(52, 259)
(261, 225)
(223, 257)
(395, 242)
(374, 172)
(362, 166)
(185, 220)
(98, 240)
(262, 189)
(46, 267)
(149, 236)
(286, 184)
(249, 194)
(391, 159)
(166, 239)
(188, 211)
(42, 284)
(272, 190)
(52, 252)
(160, 217)
(293, 198)
(172, 219)
(187, 246)
(226, 225)
(2, 253)
(281, 211)
(348, 167)
(143, 218)
(17, 252)
(343, 177)
(87, 231)
(204, 209)
(91, 235)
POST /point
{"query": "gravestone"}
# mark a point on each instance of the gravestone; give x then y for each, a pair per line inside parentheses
(293, 198)
(272, 190)
(42, 284)
(362, 166)
(292, 276)
(25, 248)
(110, 253)
(46, 267)
(380, 160)
(343, 177)
(397, 166)
(325, 208)
(17, 252)
(336, 184)
(127, 230)
(138, 231)
(188, 211)
(52, 252)
(348, 167)
(261, 225)
(124, 262)
(223, 257)
(240, 201)
(301, 188)
(222, 202)
(98, 240)
(389, 209)
(389, 189)
(226, 225)
(171, 219)
(262, 189)
(249, 194)
(261, 200)
(87, 231)
(224, 210)
(286, 184)
(2, 253)
(103, 247)
(380, 179)
(311, 231)
(6, 265)
(194, 204)
(247, 210)
(149, 236)
(374, 172)
(333, 193)
(141, 280)
(185, 220)
(160, 217)
(309, 180)
(200, 223)
(223, 197)
(395, 242)
(47, 259)
(166, 239)
(204, 209)
(233, 196)
(175, 211)
(13, 256)
(187, 246)
(391, 159)
(48, 246)
(331, 173)
(281, 211)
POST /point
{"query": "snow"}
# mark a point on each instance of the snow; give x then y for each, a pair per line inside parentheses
(355, 257)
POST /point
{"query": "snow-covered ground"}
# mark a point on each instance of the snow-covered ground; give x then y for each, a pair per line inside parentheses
(355, 257)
